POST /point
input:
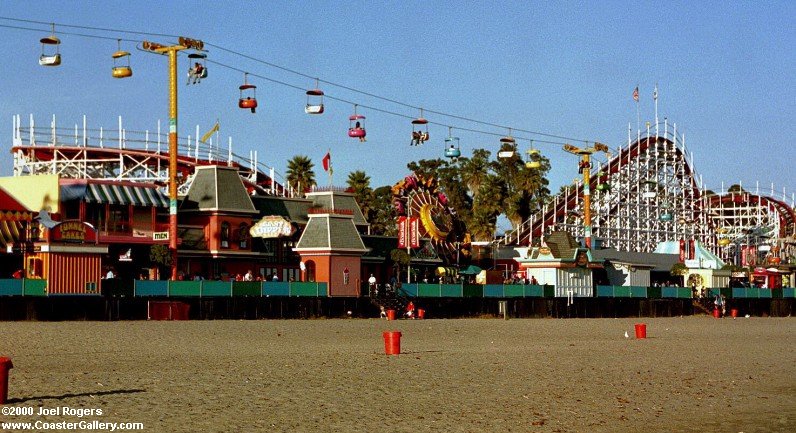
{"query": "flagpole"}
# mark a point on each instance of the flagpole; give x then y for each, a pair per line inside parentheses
(331, 171)
(638, 115)
(655, 97)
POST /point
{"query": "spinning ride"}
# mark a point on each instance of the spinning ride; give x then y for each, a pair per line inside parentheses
(419, 196)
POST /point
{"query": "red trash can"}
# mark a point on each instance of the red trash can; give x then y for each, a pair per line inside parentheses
(717, 313)
(421, 313)
(734, 312)
(5, 365)
(641, 330)
(390, 314)
(392, 342)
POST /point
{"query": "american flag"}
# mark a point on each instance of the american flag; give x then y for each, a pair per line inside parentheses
(635, 94)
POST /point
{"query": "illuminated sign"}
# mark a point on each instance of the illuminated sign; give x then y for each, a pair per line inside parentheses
(160, 236)
(272, 227)
(73, 231)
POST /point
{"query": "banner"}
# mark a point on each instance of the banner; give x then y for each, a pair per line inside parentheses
(414, 232)
(402, 232)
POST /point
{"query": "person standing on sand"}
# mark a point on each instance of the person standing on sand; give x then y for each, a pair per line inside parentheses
(372, 284)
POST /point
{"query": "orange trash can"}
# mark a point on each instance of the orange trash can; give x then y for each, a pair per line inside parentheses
(5, 365)
(392, 342)
(641, 330)
(421, 313)
(390, 314)
(734, 312)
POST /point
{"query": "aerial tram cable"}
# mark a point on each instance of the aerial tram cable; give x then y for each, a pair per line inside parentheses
(297, 73)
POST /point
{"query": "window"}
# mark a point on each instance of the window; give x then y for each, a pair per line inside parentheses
(119, 219)
(224, 234)
(243, 236)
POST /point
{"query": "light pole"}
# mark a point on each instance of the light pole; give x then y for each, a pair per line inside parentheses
(171, 51)
(585, 167)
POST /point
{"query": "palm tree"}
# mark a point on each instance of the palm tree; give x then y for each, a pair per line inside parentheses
(359, 183)
(300, 176)
(475, 169)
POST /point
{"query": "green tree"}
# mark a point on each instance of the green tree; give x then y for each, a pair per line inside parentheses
(300, 175)
(526, 187)
(160, 255)
(381, 214)
(399, 258)
(359, 183)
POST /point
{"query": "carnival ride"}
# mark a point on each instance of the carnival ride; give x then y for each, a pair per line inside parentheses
(649, 193)
(419, 197)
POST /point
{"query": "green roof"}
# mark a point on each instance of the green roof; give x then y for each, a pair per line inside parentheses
(293, 209)
(562, 245)
(331, 232)
(337, 200)
(217, 188)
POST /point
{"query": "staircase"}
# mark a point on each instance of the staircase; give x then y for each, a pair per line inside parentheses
(390, 298)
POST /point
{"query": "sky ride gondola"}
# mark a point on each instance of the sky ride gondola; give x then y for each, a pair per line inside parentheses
(649, 189)
(314, 100)
(533, 158)
(197, 69)
(121, 71)
(509, 139)
(356, 126)
(452, 149)
(50, 58)
(419, 136)
(248, 94)
(667, 215)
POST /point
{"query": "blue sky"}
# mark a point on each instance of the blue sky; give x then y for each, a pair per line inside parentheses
(724, 72)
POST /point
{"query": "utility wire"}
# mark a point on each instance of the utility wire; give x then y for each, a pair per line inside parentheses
(273, 65)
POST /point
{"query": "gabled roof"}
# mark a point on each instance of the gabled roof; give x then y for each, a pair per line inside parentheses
(562, 245)
(217, 188)
(293, 209)
(331, 232)
(658, 262)
(338, 200)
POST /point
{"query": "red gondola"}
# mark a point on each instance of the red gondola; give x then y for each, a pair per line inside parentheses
(248, 95)
(356, 126)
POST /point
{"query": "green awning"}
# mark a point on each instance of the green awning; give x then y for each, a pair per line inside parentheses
(471, 270)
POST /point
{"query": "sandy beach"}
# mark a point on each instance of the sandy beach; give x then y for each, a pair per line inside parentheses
(692, 374)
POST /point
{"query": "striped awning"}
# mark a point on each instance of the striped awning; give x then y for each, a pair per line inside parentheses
(123, 194)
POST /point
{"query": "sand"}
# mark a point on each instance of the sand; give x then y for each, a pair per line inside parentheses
(692, 374)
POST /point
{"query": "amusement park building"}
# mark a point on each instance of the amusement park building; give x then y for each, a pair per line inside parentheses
(235, 218)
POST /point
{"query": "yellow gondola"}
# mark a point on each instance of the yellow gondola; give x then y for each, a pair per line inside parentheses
(121, 71)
